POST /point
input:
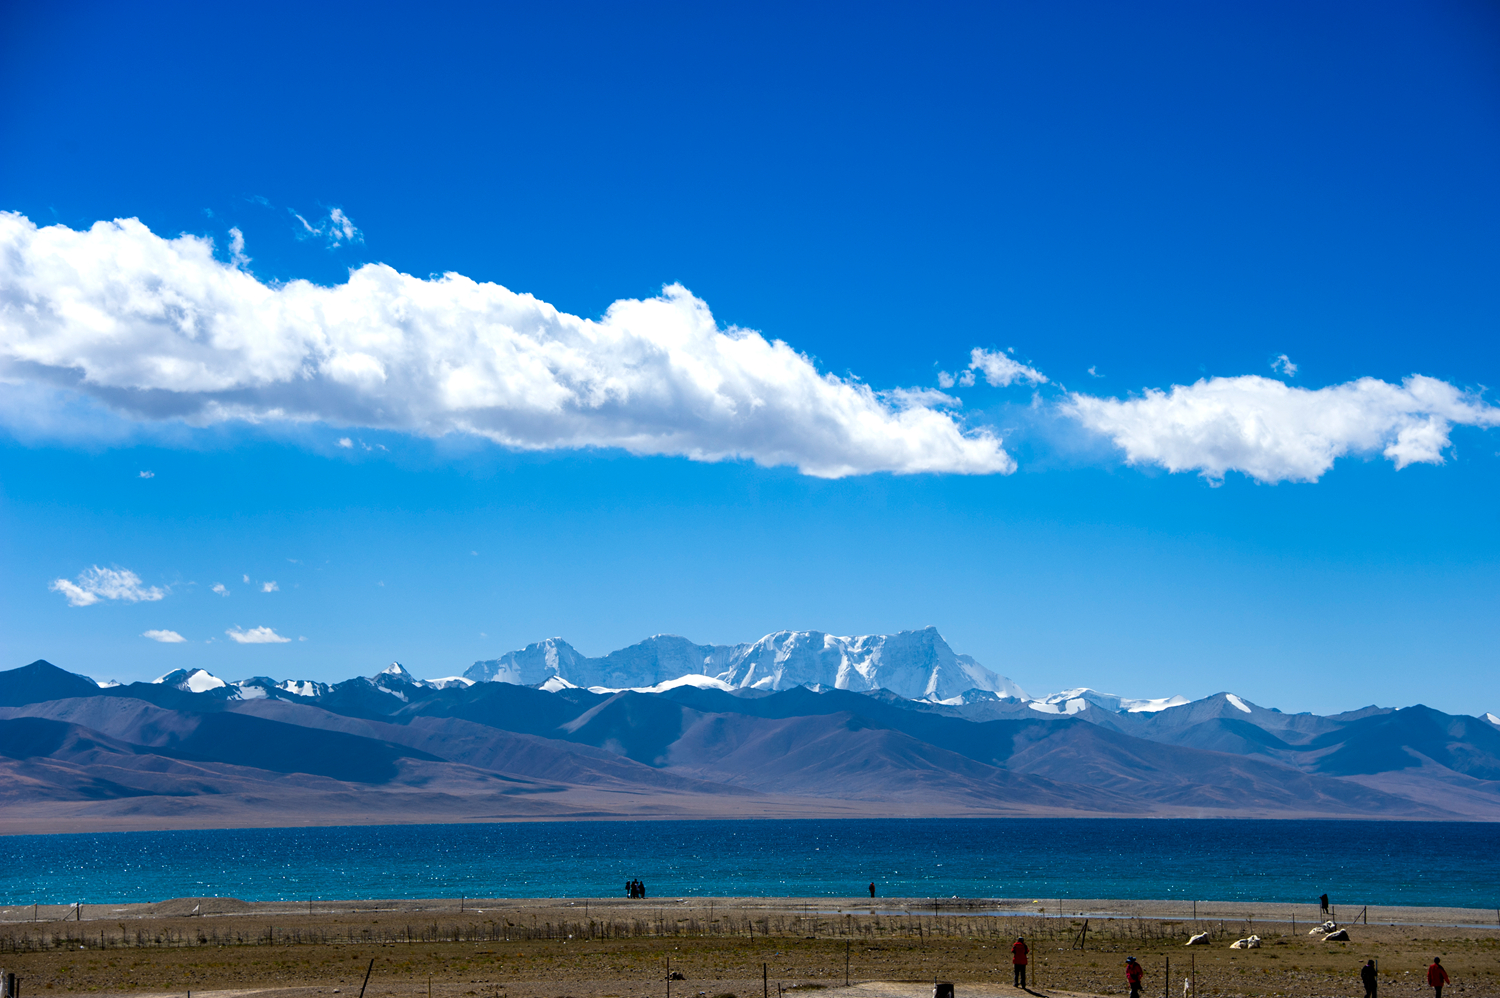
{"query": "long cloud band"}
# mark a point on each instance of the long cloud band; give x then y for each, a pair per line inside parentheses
(161, 329)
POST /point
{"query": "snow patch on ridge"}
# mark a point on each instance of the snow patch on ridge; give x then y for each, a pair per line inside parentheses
(192, 681)
(700, 682)
(1077, 700)
(1237, 702)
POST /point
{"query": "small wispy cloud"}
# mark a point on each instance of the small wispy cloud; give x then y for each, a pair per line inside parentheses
(165, 637)
(148, 474)
(269, 587)
(1093, 373)
(337, 228)
(237, 249)
(346, 443)
(246, 578)
(220, 588)
(999, 370)
(1284, 364)
(95, 584)
(256, 636)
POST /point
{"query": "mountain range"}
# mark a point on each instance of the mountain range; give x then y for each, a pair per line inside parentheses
(798, 724)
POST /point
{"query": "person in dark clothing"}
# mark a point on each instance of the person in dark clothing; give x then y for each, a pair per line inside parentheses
(872, 889)
(1367, 975)
(1323, 904)
(1133, 974)
(1437, 976)
(640, 885)
(1018, 953)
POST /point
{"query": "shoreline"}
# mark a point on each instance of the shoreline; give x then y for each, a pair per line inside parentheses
(1162, 910)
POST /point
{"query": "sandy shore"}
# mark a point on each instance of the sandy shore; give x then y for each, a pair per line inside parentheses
(1238, 912)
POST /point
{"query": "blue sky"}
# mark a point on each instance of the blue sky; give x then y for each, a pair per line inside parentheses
(1260, 203)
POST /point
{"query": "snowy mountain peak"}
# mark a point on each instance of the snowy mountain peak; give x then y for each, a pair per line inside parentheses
(191, 680)
(302, 687)
(1077, 700)
(913, 664)
(396, 670)
(1493, 719)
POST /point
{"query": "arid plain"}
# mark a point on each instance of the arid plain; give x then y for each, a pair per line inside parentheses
(612, 948)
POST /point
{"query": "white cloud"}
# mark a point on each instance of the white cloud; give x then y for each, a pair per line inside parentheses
(256, 636)
(237, 255)
(337, 227)
(1274, 432)
(98, 583)
(148, 474)
(1000, 370)
(165, 637)
(161, 330)
(1284, 364)
(220, 588)
(269, 587)
(345, 442)
(245, 577)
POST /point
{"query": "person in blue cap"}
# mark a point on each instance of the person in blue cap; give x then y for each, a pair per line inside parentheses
(1133, 974)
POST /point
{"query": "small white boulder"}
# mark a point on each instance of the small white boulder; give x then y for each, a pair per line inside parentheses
(1201, 939)
(1249, 942)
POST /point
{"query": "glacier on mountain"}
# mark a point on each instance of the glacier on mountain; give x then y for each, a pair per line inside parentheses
(913, 664)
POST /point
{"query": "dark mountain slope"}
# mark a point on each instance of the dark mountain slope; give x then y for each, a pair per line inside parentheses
(41, 681)
(1395, 741)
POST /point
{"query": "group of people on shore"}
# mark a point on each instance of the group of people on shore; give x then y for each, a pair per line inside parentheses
(635, 889)
(1020, 955)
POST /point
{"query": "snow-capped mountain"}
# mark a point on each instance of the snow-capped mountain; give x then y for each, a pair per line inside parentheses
(1074, 701)
(191, 680)
(912, 664)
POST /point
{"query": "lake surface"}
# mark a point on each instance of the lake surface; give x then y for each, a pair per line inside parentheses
(1357, 862)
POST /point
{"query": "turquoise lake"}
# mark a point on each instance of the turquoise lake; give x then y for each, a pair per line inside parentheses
(1356, 862)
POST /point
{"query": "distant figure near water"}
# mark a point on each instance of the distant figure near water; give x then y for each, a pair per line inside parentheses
(872, 889)
(1323, 904)
(635, 889)
(1367, 977)
(1018, 952)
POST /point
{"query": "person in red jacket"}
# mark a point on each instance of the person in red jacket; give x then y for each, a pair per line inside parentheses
(1437, 976)
(1018, 951)
(1133, 974)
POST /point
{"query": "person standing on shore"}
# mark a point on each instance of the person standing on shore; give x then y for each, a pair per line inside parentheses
(1323, 904)
(1133, 974)
(1367, 975)
(872, 888)
(1018, 952)
(1437, 976)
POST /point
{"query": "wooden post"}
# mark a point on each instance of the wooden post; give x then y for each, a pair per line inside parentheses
(846, 962)
(1166, 984)
(367, 977)
(765, 987)
(669, 977)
